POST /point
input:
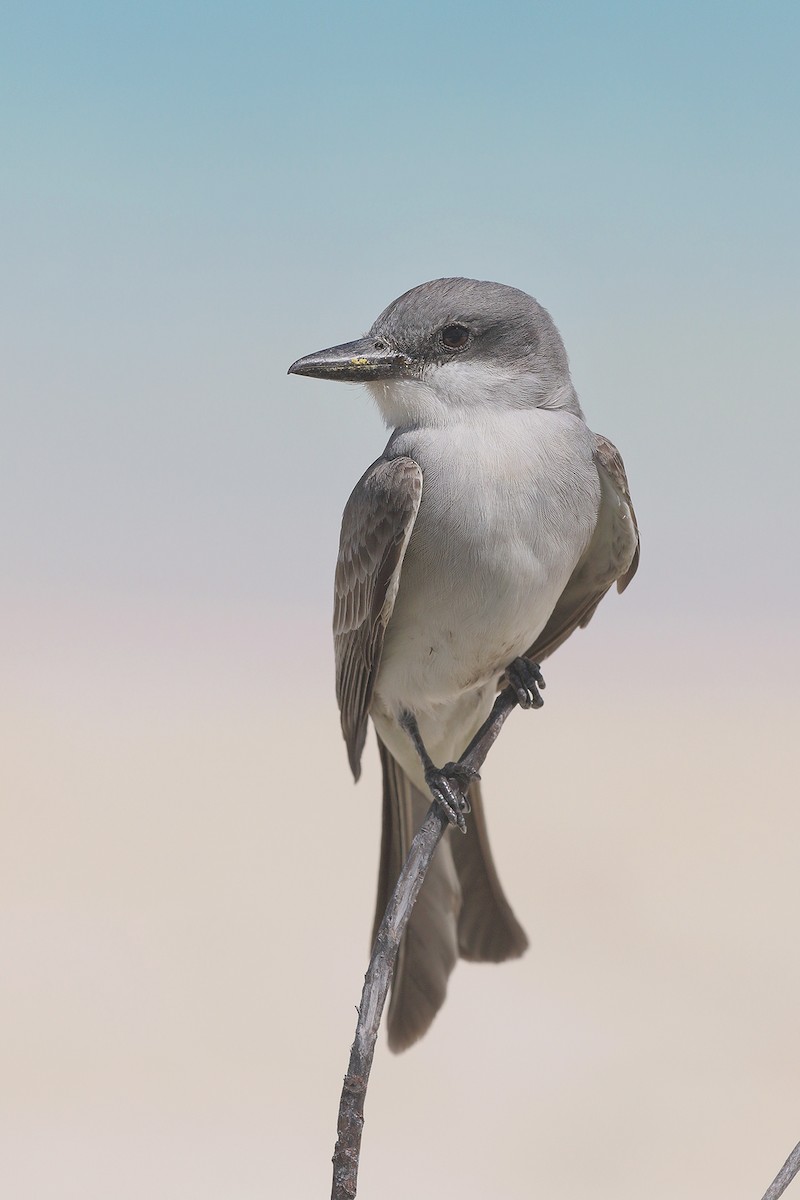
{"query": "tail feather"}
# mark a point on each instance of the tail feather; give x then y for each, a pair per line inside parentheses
(460, 910)
(488, 931)
(429, 949)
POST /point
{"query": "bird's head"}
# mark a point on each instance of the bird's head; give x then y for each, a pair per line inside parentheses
(453, 348)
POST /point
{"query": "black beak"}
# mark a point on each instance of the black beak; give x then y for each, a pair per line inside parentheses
(354, 362)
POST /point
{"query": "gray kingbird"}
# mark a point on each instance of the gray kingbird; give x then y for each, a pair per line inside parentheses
(489, 529)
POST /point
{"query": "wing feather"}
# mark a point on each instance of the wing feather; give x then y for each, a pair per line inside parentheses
(376, 525)
(611, 556)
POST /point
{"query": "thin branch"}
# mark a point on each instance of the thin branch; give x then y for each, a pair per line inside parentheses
(384, 956)
(373, 998)
(381, 968)
(784, 1176)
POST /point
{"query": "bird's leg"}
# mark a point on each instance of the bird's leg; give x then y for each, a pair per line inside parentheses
(448, 784)
(526, 679)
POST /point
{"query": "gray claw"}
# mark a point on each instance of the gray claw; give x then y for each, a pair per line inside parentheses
(448, 787)
(526, 679)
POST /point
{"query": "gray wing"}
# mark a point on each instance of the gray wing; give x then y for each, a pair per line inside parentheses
(376, 525)
(611, 556)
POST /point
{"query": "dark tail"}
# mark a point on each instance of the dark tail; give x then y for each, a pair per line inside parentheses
(461, 908)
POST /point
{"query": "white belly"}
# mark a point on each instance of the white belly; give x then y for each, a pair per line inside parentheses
(506, 513)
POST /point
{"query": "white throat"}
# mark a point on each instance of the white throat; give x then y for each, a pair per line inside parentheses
(450, 392)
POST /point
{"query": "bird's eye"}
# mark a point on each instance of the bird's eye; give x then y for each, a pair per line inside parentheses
(455, 337)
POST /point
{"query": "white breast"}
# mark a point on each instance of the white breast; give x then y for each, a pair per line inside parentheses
(509, 504)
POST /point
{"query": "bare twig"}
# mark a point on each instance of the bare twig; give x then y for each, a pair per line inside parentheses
(373, 998)
(384, 956)
(381, 968)
(784, 1176)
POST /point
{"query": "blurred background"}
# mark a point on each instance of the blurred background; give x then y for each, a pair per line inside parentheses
(193, 196)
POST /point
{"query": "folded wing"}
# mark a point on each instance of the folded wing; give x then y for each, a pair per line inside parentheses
(612, 555)
(377, 523)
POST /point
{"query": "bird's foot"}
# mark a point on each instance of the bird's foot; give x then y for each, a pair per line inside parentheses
(448, 786)
(526, 679)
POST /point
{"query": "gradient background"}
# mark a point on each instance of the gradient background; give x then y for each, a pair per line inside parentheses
(193, 196)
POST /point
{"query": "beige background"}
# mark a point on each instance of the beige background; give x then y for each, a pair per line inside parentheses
(187, 881)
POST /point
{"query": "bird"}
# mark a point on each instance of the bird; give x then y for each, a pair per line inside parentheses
(487, 531)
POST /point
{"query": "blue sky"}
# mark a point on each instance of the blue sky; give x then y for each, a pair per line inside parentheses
(194, 195)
